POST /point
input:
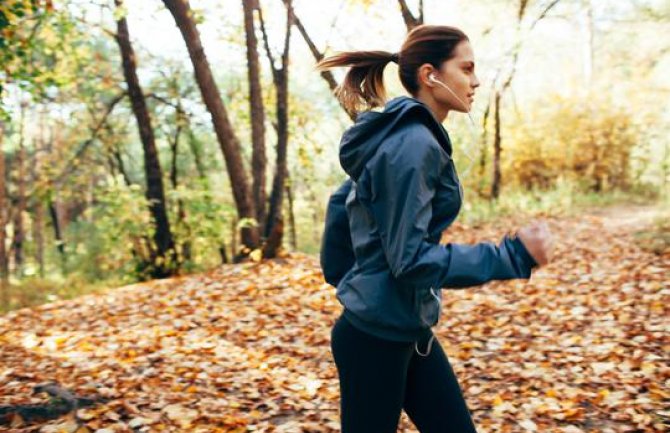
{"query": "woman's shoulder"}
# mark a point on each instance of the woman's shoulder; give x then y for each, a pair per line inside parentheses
(413, 140)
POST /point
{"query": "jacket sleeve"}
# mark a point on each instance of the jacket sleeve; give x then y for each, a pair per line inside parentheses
(402, 186)
(337, 255)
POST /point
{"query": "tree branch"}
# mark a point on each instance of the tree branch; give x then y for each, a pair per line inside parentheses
(410, 20)
(544, 13)
(94, 136)
(326, 74)
(266, 44)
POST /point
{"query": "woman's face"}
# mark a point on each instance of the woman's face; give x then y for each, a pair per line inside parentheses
(458, 73)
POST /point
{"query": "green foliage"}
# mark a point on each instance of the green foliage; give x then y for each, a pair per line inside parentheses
(112, 239)
(33, 39)
(206, 227)
(109, 239)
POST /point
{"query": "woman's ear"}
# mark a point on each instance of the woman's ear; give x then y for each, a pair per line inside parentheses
(424, 72)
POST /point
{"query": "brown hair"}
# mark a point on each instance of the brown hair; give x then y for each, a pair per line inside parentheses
(363, 86)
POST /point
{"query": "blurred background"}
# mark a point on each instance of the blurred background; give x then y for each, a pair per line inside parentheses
(154, 138)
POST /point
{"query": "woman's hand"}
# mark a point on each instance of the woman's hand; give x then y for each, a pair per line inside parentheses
(538, 240)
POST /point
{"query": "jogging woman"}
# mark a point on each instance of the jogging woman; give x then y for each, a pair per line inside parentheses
(383, 226)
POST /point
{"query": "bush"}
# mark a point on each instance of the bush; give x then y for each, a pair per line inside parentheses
(585, 141)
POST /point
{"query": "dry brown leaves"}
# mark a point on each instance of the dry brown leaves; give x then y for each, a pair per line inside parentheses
(581, 347)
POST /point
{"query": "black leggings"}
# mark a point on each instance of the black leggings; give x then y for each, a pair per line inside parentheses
(379, 378)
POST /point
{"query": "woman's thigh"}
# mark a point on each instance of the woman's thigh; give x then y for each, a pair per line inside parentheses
(433, 398)
(372, 376)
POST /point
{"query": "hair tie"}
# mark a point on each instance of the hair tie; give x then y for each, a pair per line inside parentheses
(395, 57)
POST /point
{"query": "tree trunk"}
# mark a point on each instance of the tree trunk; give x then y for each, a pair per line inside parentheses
(291, 215)
(38, 196)
(19, 232)
(165, 264)
(506, 80)
(185, 253)
(60, 243)
(4, 265)
(52, 150)
(257, 112)
(274, 228)
(233, 240)
(121, 166)
(194, 144)
(223, 254)
(114, 157)
(484, 151)
(38, 234)
(228, 141)
(281, 171)
(38, 208)
(497, 149)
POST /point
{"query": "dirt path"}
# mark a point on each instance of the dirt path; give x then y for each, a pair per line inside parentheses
(629, 217)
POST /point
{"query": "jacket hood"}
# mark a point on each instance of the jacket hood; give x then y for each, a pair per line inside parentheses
(361, 141)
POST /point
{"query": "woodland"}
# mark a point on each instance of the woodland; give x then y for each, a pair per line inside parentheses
(165, 167)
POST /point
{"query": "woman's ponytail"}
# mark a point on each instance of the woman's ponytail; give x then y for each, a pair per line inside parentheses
(363, 86)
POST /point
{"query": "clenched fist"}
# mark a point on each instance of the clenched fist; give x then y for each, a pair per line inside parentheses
(538, 240)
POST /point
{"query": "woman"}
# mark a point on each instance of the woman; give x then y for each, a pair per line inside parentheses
(383, 226)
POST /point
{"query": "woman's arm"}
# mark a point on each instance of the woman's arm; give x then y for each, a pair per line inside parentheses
(402, 181)
(337, 255)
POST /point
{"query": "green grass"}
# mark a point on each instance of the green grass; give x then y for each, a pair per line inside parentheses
(33, 291)
(563, 200)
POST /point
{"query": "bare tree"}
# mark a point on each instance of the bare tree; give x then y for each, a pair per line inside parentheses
(257, 111)
(37, 203)
(228, 140)
(4, 265)
(181, 121)
(291, 214)
(318, 55)
(274, 228)
(20, 208)
(502, 82)
(411, 21)
(164, 259)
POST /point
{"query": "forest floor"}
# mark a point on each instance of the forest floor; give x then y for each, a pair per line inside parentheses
(580, 347)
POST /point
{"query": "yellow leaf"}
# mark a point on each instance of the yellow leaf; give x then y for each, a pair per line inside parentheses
(256, 255)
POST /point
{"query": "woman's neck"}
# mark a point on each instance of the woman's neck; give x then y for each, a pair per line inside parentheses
(438, 110)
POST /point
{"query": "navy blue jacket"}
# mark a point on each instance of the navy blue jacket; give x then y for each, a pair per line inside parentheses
(380, 246)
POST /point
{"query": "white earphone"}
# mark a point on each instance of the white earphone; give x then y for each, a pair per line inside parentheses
(432, 78)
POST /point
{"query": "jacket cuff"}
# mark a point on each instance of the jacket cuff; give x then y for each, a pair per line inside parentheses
(522, 253)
